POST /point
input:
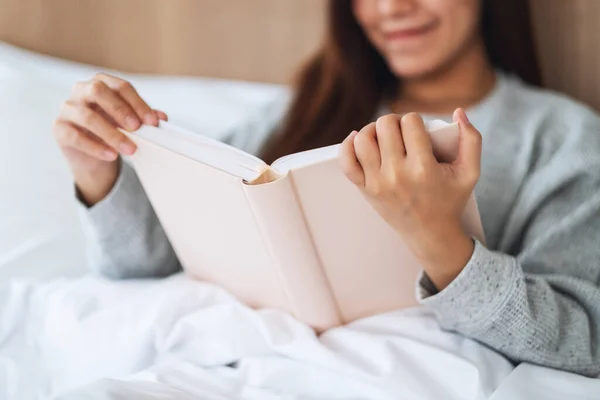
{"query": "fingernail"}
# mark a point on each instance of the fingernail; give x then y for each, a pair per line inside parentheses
(110, 155)
(160, 115)
(150, 119)
(131, 123)
(127, 148)
(352, 133)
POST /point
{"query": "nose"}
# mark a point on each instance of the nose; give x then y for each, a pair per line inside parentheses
(396, 7)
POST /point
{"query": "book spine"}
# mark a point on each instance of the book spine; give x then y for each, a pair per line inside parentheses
(295, 259)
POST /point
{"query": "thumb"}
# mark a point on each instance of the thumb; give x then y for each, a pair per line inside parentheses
(468, 160)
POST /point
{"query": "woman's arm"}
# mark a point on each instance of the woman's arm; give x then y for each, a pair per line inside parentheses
(123, 235)
(538, 298)
(547, 319)
(542, 304)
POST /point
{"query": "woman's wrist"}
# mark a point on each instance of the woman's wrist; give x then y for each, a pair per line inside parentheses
(93, 186)
(443, 253)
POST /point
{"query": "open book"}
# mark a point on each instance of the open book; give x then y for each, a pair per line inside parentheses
(296, 235)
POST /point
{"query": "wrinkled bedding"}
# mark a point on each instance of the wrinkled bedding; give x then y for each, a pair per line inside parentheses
(88, 338)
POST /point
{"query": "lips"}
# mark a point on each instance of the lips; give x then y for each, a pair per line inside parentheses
(409, 33)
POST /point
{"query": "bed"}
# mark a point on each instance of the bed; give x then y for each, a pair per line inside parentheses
(66, 335)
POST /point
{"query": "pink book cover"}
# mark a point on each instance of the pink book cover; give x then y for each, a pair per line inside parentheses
(295, 236)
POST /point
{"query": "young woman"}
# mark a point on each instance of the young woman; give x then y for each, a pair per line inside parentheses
(533, 293)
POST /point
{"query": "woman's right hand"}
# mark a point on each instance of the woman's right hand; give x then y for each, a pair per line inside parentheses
(86, 131)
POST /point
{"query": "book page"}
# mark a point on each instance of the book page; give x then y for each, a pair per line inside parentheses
(203, 149)
(444, 140)
(252, 169)
(305, 158)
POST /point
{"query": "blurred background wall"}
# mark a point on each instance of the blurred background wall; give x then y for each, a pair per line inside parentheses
(569, 46)
(258, 40)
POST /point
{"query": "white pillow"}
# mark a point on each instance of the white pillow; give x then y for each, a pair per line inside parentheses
(39, 230)
(207, 105)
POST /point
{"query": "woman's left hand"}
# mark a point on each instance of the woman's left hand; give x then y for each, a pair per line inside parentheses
(392, 163)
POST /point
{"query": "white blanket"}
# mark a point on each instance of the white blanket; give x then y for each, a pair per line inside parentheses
(89, 338)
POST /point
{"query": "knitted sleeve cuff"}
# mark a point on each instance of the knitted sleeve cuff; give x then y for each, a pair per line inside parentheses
(481, 289)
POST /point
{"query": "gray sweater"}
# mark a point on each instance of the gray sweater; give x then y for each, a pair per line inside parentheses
(533, 294)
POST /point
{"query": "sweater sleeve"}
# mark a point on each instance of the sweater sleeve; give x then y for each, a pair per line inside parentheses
(537, 299)
(124, 238)
(123, 234)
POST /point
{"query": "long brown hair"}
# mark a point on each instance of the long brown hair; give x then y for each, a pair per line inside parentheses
(342, 86)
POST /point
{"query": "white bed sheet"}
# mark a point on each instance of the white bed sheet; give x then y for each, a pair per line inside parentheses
(88, 338)
(175, 336)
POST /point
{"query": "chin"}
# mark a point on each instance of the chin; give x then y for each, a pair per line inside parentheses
(414, 69)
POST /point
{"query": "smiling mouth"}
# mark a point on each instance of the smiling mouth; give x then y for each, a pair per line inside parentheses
(411, 33)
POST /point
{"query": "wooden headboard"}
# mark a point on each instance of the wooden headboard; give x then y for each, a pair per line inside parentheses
(259, 40)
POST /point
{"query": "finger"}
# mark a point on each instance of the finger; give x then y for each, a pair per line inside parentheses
(84, 116)
(68, 135)
(161, 115)
(131, 96)
(389, 138)
(367, 149)
(469, 146)
(104, 115)
(416, 139)
(349, 163)
(367, 152)
(112, 104)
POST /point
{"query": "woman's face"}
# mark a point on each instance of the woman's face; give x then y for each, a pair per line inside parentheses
(419, 37)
